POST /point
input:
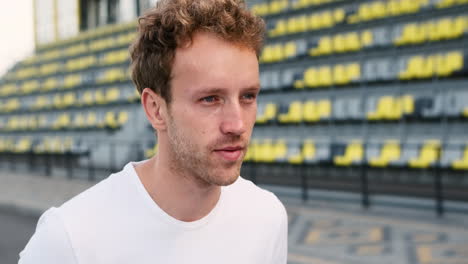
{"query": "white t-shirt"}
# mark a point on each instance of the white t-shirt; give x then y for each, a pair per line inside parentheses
(117, 222)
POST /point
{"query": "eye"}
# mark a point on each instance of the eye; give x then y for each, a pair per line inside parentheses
(209, 99)
(249, 97)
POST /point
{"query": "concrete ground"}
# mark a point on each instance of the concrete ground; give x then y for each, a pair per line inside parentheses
(330, 228)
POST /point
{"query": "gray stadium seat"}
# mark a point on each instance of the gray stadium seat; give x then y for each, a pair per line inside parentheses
(435, 110)
(339, 109)
(449, 154)
(408, 151)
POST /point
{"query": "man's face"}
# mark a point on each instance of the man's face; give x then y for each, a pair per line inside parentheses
(214, 87)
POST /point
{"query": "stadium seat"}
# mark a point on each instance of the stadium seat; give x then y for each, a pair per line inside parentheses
(29, 87)
(41, 102)
(112, 95)
(71, 81)
(23, 145)
(325, 47)
(269, 113)
(79, 121)
(390, 152)
(280, 28)
(325, 76)
(384, 108)
(62, 121)
(150, 152)
(293, 114)
(87, 98)
(354, 154)
(50, 84)
(428, 155)
(317, 111)
(462, 163)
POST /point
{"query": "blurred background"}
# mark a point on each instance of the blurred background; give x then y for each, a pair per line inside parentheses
(362, 124)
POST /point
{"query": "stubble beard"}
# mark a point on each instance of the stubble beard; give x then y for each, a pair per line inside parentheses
(189, 160)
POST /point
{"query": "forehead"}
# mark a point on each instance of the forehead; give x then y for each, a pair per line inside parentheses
(212, 61)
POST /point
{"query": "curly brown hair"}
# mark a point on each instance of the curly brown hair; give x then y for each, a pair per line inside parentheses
(172, 24)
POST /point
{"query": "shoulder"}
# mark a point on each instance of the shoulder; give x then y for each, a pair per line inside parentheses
(252, 196)
(50, 242)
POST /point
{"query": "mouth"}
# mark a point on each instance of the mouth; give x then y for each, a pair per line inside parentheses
(230, 153)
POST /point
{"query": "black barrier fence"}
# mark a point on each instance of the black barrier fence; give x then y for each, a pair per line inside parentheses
(100, 158)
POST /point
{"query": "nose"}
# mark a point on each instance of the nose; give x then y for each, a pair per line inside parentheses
(233, 122)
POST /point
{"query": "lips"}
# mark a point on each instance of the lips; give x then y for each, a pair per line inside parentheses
(230, 153)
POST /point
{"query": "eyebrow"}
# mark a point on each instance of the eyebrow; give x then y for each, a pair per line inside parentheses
(216, 90)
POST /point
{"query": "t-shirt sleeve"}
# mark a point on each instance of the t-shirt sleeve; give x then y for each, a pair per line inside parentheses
(50, 243)
(280, 250)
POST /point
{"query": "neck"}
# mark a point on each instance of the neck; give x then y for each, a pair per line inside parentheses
(180, 194)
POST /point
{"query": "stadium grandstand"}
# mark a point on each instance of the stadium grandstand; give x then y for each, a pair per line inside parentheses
(357, 95)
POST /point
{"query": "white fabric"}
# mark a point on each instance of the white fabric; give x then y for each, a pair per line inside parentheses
(117, 222)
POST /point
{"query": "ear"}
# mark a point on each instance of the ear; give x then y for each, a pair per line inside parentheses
(155, 109)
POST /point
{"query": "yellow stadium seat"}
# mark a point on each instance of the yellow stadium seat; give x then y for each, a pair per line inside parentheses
(414, 68)
(353, 72)
(339, 74)
(280, 150)
(122, 118)
(87, 98)
(29, 87)
(69, 99)
(339, 43)
(428, 155)
(280, 29)
(99, 97)
(311, 78)
(112, 75)
(8, 89)
(327, 19)
(378, 9)
(293, 25)
(112, 95)
(391, 151)
(325, 77)
(325, 47)
(269, 114)
(290, 50)
(50, 84)
(462, 163)
(11, 105)
(152, 151)
(465, 112)
(354, 153)
(294, 114)
(277, 53)
(41, 102)
(23, 145)
(302, 24)
(51, 68)
(300, 4)
(91, 120)
(57, 101)
(79, 121)
(315, 22)
(366, 38)
(316, 111)
(384, 109)
(267, 54)
(339, 15)
(449, 63)
(311, 113)
(71, 81)
(62, 121)
(352, 42)
(308, 150)
(445, 3)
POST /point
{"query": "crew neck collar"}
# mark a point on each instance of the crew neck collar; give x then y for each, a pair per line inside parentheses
(152, 205)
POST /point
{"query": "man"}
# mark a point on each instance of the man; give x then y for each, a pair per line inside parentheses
(195, 65)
